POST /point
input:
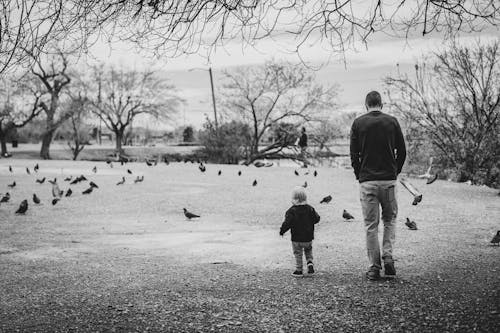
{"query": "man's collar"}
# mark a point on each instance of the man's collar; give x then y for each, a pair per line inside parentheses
(379, 109)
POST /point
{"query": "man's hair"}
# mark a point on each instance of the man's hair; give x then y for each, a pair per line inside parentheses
(373, 99)
(299, 196)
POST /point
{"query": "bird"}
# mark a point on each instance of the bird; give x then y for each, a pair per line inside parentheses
(254, 182)
(304, 185)
(432, 180)
(10, 168)
(326, 199)
(259, 164)
(239, 173)
(128, 170)
(67, 179)
(69, 192)
(36, 167)
(82, 178)
(94, 185)
(411, 224)
(202, 167)
(347, 216)
(53, 181)
(56, 191)
(94, 169)
(166, 161)
(28, 171)
(139, 179)
(496, 239)
(55, 200)
(295, 172)
(148, 163)
(36, 199)
(189, 215)
(12, 185)
(6, 197)
(219, 173)
(427, 174)
(315, 173)
(88, 191)
(40, 181)
(121, 182)
(23, 207)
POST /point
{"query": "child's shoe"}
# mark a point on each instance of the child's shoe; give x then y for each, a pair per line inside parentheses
(297, 273)
(310, 268)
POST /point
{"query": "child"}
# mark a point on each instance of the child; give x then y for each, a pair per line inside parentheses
(301, 218)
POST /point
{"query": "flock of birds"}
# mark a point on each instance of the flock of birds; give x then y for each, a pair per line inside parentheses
(58, 194)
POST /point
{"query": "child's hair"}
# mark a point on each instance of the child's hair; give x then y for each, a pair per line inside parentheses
(299, 196)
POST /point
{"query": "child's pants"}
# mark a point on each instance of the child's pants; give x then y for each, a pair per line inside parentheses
(298, 247)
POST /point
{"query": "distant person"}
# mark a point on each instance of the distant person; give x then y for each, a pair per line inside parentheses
(300, 219)
(377, 155)
(303, 146)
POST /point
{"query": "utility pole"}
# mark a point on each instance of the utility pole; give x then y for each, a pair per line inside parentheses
(213, 97)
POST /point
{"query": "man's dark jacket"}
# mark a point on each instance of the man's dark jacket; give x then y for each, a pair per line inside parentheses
(301, 220)
(377, 147)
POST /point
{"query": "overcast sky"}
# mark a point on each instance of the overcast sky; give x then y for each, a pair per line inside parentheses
(358, 72)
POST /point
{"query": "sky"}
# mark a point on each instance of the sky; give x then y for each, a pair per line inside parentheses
(356, 72)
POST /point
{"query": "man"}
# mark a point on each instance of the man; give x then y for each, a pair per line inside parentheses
(303, 146)
(377, 155)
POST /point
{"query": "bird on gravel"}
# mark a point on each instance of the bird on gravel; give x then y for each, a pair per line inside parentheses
(94, 185)
(307, 172)
(347, 216)
(36, 167)
(259, 164)
(239, 173)
(254, 182)
(10, 168)
(189, 215)
(94, 169)
(166, 161)
(305, 185)
(315, 173)
(108, 162)
(28, 171)
(411, 224)
(129, 171)
(219, 173)
(432, 180)
(295, 172)
(121, 182)
(202, 167)
(69, 192)
(496, 239)
(36, 199)
(53, 181)
(67, 179)
(40, 181)
(56, 191)
(139, 179)
(88, 191)
(55, 200)
(5, 198)
(326, 199)
(148, 163)
(12, 185)
(23, 207)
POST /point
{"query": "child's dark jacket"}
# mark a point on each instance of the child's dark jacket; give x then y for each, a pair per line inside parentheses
(301, 220)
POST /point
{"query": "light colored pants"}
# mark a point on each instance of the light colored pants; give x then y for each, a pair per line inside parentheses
(373, 195)
(298, 248)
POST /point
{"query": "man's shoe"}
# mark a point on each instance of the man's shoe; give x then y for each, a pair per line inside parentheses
(373, 274)
(297, 273)
(310, 268)
(389, 269)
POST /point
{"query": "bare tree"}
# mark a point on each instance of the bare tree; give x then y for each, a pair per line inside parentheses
(118, 97)
(265, 96)
(18, 107)
(454, 99)
(79, 113)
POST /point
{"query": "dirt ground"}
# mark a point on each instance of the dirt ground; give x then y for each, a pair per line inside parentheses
(125, 258)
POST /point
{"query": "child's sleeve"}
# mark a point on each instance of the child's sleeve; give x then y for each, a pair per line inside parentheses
(287, 224)
(315, 216)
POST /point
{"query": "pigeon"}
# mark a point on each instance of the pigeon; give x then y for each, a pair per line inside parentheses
(82, 178)
(108, 162)
(307, 172)
(496, 239)
(40, 181)
(23, 207)
(315, 173)
(121, 182)
(94, 185)
(219, 173)
(36, 199)
(239, 173)
(128, 170)
(28, 171)
(12, 185)
(259, 164)
(432, 180)
(36, 167)
(148, 163)
(53, 181)
(55, 200)
(411, 224)
(295, 172)
(254, 182)
(88, 191)
(139, 179)
(67, 179)
(202, 167)
(10, 168)
(347, 216)
(326, 199)
(305, 185)
(94, 169)
(56, 191)
(166, 161)
(189, 215)
(69, 192)
(5, 198)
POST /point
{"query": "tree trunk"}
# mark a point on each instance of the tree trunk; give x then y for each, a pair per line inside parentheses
(119, 140)
(46, 141)
(3, 142)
